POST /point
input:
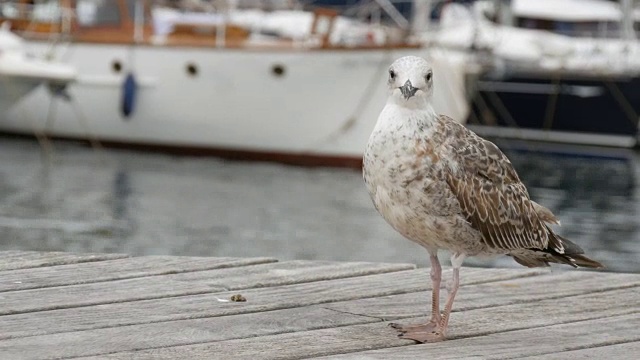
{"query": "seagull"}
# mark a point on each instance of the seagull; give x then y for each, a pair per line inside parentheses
(442, 186)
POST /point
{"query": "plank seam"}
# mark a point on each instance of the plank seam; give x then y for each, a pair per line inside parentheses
(596, 317)
(574, 348)
(62, 263)
(166, 272)
(517, 302)
(356, 314)
(74, 306)
(328, 278)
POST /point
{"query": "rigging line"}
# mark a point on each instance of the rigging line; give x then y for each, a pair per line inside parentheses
(552, 103)
(481, 108)
(474, 111)
(632, 115)
(487, 116)
(504, 113)
(62, 36)
(50, 120)
(362, 103)
(371, 87)
(501, 109)
(40, 135)
(91, 137)
(486, 110)
(22, 112)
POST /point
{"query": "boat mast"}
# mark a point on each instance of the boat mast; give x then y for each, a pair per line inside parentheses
(626, 22)
(138, 21)
(393, 13)
(221, 29)
(505, 14)
(421, 17)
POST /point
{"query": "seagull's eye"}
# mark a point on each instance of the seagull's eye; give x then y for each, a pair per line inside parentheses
(392, 74)
(428, 77)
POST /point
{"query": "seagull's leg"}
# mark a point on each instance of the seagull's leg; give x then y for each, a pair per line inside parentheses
(436, 277)
(439, 333)
(456, 262)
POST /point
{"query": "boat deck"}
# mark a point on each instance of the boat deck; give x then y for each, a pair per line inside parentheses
(111, 306)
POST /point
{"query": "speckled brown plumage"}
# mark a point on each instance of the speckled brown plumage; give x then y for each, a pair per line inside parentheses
(497, 204)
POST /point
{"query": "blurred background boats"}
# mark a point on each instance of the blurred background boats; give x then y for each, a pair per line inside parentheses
(521, 69)
(288, 85)
(560, 70)
(302, 83)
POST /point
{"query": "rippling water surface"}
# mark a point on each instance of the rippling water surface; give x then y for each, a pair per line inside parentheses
(85, 200)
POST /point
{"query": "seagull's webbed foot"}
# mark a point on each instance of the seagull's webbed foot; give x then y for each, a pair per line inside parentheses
(422, 336)
(426, 332)
(425, 327)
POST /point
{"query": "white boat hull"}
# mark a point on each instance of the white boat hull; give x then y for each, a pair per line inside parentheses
(325, 103)
(13, 89)
(20, 74)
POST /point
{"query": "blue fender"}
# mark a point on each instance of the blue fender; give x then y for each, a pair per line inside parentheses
(129, 90)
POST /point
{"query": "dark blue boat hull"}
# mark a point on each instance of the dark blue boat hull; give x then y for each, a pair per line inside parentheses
(601, 106)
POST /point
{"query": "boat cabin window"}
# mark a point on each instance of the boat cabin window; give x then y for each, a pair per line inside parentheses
(97, 13)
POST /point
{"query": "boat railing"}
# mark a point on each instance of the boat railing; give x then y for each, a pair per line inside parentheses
(57, 20)
(323, 23)
(37, 20)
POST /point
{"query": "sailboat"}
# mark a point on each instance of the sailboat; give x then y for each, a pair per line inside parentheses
(297, 85)
(561, 71)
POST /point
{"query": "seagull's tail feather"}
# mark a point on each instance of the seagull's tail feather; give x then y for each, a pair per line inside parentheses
(584, 261)
(560, 250)
(574, 254)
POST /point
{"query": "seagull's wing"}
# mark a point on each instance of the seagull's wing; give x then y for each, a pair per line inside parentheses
(491, 195)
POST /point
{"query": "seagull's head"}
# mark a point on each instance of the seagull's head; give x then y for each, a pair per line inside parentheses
(410, 80)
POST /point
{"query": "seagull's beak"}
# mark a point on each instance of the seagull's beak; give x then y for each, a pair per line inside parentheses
(408, 90)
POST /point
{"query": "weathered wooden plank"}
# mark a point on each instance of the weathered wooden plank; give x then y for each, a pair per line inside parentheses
(289, 272)
(540, 314)
(492, 294)
(629, 350)
(16, 302)
(207, 281)
(576, 335)
(176, 333)
(265, 299)
(108, 340)
(119, 269)
(11, 260)
(516, 344)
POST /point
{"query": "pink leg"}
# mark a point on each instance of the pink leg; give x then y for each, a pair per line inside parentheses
(436, 277)
(444, 322)
(438, 333)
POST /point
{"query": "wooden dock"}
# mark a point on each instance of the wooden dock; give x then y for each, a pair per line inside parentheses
(111, 306)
